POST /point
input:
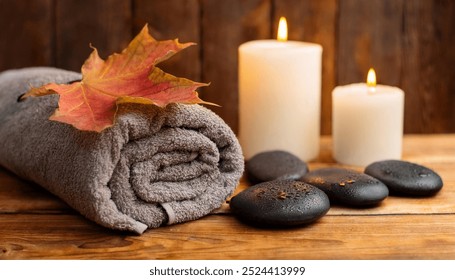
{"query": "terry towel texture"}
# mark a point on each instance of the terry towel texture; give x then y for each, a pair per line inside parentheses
(154, 166)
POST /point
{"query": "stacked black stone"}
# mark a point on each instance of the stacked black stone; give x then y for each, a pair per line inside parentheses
(406, 178)
(286, 193)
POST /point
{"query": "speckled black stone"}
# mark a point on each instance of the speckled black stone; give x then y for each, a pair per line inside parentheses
(406, 178)
(274, 165)
(348, 187)
(280, 203)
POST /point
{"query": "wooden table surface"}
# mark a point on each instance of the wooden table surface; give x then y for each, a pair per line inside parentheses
(36, 225)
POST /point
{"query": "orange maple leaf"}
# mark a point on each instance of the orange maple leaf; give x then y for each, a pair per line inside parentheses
(130, 76)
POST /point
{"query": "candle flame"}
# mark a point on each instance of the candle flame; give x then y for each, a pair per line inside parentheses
(282, 30)
(371, 79)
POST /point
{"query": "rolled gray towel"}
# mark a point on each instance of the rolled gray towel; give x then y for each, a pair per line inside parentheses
(155, 166)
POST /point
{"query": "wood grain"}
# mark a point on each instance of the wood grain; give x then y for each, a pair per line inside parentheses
(429, 30)
(104, 24)
(369, 35)
(226, 25)
(223, 237)
(20, 196)
(37, 225)
(26, 33)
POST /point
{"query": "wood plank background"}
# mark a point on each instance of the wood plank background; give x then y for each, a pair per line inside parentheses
(409, 43)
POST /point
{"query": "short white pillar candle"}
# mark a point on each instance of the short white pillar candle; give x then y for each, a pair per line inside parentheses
(367, 123)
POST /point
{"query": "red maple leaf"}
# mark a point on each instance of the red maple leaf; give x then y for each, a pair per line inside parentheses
(130, 76)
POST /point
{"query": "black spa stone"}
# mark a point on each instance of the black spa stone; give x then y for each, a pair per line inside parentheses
(406, 178)
(273, 165)
(281, 203)
(347, 187)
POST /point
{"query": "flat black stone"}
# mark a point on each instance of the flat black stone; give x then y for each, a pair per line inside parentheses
(347, 187)
(406, 178)
(281, 203)
(273, 165)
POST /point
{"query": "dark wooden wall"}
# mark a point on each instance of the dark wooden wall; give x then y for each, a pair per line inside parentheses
(411, 43)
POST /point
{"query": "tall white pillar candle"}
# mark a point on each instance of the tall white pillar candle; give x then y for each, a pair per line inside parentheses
(280, 97)
(367, 123)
